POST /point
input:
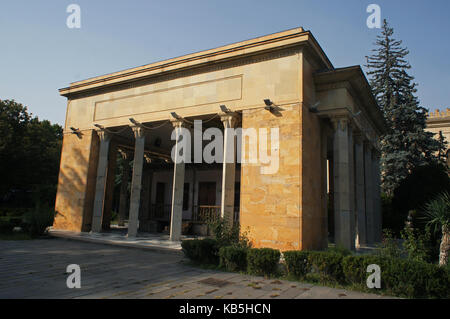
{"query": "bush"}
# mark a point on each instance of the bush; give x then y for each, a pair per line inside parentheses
(297, 263)
(203, 251)
(417, 244)
(36, 221)
(6, 226)
(355, 268)
(389, 247)
(233, 258)
(328, 265)
(400, 277)
(227, 235)
(263, 261)
(340, 250)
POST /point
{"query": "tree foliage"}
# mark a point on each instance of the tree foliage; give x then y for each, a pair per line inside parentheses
(29, 153)
(406, 145)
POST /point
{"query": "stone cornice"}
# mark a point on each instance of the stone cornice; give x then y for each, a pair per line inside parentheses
(273, 42)
(353, 79)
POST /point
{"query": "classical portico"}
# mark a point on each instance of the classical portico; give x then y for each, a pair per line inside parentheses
(128, 159)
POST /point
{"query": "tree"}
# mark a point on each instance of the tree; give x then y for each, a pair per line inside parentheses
(406, 145)
(29, 152)
(437, 212)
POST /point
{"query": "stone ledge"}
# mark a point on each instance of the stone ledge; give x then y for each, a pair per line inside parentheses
(153, 242)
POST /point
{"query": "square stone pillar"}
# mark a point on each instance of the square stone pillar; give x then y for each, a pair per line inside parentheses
(361, 234)
(100, 188)
(344, 217)
(178, 186)
(124, 187)
(136, 181)
(110, 182)
(369, 185)
(377, 197)
(145, 199)
(229, 121)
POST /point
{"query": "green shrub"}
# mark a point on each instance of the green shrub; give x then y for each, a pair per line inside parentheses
(263, 261)
(414, 279)
(227, 235)
(328, 265)
(297, 263)
(355, 268)
(417, 244)
(203, 251)
(340, 250)
(6, 225)
(233, 258)
(36, 221)
(389, 247)
(400, 277)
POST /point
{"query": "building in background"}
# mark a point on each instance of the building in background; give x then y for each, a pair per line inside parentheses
(438, 122)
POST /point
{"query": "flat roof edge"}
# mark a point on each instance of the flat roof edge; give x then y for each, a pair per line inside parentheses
(194, 59)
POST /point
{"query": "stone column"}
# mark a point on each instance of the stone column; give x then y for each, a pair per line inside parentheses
(110, 182)
(229, 121)
(178, 187)
(344, 219)
(368, 172)
(145, 200)
(100, 188)
(361, 235)
(376, 197)
(136, 181)
(124, 188)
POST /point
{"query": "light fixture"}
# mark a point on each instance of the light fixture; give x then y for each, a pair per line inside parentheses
(224, 109)
(176, 116)
(132, 120)
(77, 132)
(269, 105)
(313, 108)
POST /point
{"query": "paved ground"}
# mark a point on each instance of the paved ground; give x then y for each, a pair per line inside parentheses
(37, 269)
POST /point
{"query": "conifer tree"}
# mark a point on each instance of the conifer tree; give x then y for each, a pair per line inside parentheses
(406, 144)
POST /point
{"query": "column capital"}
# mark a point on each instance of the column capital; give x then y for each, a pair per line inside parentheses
(341, 122)
(126, 155)
(138, 131)
(177, 123)
(229, 120)
(103, 135)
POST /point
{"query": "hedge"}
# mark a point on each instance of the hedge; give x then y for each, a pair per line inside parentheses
(263, 261)
(233, 258)
(297, 263)
(399, 277)
(205, 251)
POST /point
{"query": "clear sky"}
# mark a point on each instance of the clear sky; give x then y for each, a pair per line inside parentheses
(39, 54)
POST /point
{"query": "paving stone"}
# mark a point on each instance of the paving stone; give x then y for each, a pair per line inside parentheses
(37, 269)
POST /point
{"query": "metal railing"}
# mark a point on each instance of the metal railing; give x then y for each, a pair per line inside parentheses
(202, 214)
(206, 214)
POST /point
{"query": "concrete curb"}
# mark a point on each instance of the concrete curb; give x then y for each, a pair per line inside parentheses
(109, 242)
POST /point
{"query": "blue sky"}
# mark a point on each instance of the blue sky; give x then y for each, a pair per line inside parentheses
(39, 54)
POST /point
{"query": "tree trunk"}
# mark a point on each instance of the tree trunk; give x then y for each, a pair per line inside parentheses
(445, 246)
